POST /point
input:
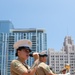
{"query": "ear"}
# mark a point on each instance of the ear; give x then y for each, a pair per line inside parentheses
(18, 51)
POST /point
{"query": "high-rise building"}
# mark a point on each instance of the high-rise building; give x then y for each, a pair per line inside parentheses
(57, 60)
(5, 26)
(7, 52)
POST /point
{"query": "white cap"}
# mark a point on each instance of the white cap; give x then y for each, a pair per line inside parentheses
(22, 43)
(43, 53)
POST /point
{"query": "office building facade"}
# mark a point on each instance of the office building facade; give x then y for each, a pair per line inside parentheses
(57, 60)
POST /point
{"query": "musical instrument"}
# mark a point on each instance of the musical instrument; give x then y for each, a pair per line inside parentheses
(67, 66)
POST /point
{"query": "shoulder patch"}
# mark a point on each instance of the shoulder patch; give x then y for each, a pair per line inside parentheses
(48, 69)
(16, 63)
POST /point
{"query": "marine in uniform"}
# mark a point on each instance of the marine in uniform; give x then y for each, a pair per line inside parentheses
(43, 68)
(63, 71)
(18, 66)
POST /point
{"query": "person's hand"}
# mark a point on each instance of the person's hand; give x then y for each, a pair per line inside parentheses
(35, 55)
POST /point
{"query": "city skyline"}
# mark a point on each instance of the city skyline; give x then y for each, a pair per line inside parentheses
(58, 60)
(55, 16)
(9, 35)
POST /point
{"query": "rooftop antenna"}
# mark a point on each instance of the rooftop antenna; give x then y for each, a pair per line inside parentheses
(67, 31)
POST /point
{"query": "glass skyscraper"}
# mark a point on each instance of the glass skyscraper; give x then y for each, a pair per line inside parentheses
(7, 52)
(5, 26)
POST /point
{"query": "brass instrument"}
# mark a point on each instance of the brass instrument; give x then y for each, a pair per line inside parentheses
(67, 66)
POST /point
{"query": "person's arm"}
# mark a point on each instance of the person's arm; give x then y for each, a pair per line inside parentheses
(18, 68)
(31, 72)
(34, 66)
(36, 60)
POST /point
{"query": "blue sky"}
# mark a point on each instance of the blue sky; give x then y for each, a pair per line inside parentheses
(57, 17)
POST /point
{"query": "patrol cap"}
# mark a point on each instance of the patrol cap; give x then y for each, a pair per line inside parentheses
(21, 44)
(43, 54)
